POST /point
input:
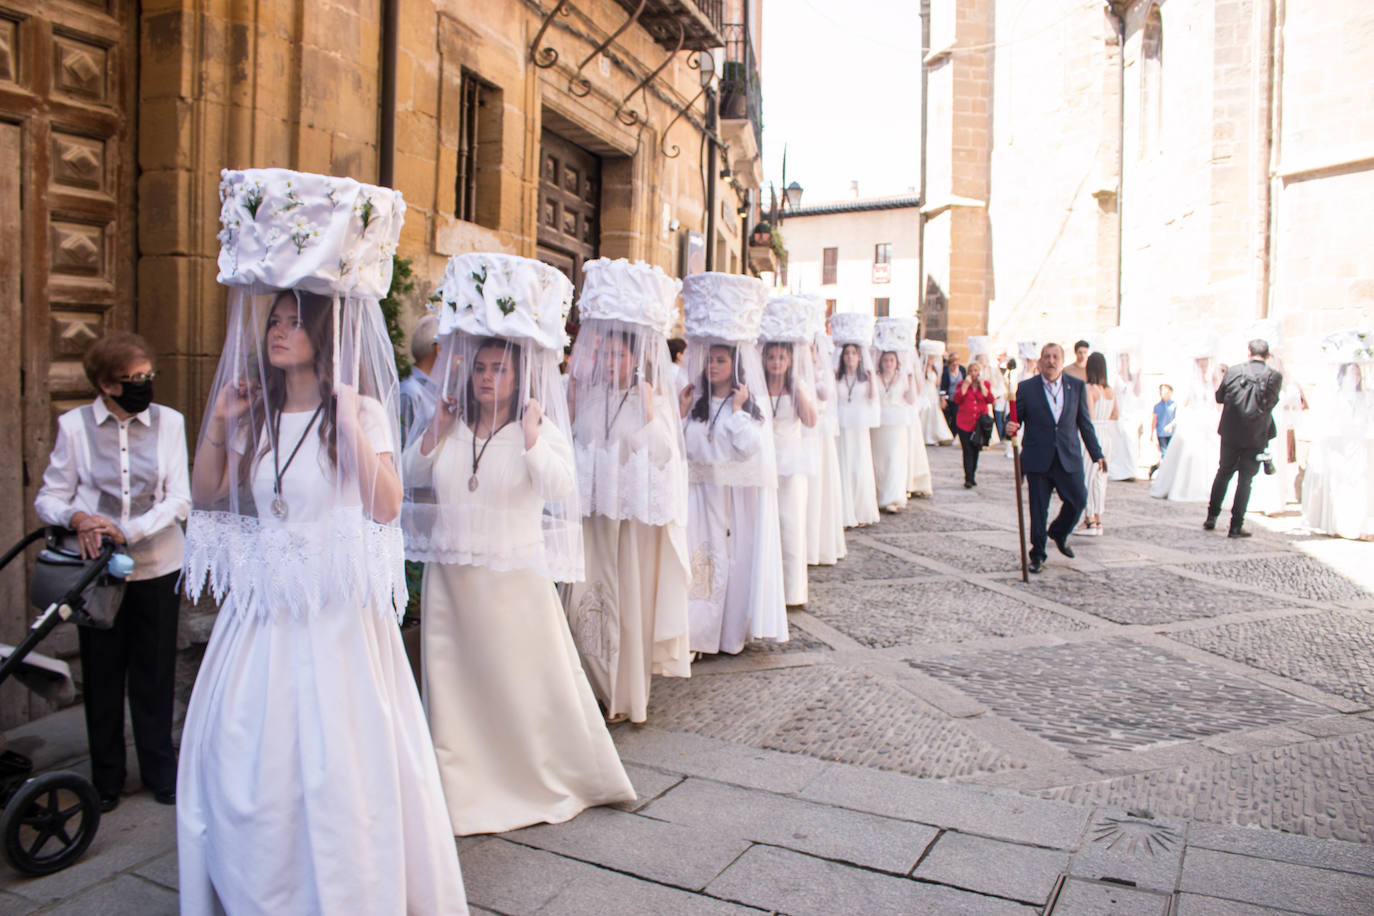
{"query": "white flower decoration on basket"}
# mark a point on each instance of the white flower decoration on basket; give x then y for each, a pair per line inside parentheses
(630, 291)
(723, 306)
(285, 229)
(852, 328)
(790, 318)
(1028, 349)
(894, 333)
(504, 295)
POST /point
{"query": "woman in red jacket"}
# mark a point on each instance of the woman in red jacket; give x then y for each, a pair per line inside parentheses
(974, 397)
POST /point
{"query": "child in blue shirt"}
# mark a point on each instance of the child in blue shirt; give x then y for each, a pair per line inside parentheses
(1162, 430)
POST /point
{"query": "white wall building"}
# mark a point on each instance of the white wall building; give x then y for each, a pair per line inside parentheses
(860, 255)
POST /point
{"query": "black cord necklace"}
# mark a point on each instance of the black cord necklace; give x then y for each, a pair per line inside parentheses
(611, 418)
(849, 397)
(477, 456)
(711, 428)
(279, 507)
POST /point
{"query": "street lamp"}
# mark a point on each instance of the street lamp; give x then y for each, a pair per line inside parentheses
(794, 194)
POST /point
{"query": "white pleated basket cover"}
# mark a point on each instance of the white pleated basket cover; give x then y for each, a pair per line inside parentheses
(931, 348)
(894, 333)
(1028, 349)
(295, 230)
(791, 319)
(723, 306)
(631, 291)
(1349, 345)
(504, 295)
(852, 328)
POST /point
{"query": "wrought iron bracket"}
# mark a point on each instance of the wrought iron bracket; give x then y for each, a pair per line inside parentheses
(544, 58)
(579, 85)
(663, 143)
(631, 118)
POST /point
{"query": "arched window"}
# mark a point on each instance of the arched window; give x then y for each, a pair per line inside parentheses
(1151, 81)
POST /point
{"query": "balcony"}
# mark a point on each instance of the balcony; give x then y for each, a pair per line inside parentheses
(741, 105)
(700, 21)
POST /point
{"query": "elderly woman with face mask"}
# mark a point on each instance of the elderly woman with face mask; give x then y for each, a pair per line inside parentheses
(118, 470)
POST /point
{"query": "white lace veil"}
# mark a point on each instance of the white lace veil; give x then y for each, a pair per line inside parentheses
(627, 434)
(722, 317)
(296, 486)
(475, 493)
(785, 352)
(898, 393)
(856, 384)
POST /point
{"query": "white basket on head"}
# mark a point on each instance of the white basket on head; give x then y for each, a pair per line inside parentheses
(723, 306)
(852, 328)
(504, 295)
(631, 291)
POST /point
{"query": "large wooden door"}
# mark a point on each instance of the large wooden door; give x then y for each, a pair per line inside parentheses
(569, 205)
(68, 71)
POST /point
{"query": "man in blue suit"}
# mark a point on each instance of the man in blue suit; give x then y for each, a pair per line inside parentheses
(1053, 408)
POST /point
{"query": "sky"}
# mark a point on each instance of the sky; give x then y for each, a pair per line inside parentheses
(842, 91)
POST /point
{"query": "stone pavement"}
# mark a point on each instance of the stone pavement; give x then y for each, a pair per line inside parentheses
(1171, 723)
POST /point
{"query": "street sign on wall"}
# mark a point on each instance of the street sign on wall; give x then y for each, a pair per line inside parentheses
(882, 273)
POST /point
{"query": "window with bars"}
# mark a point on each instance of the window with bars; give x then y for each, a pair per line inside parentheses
(880, 307)
(830, 262)
(882, 253)
(476, 191)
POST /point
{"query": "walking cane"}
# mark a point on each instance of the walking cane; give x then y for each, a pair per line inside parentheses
(1020, 512)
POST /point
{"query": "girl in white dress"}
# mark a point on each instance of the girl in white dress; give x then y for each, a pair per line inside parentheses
(1338, 486)
(732, 521)
(894, 341)
(307, 780)
(1131, 410)
(629, 618)
(859, 411)
(1187, 471)
(492, 510)
(825, 521)
(934, 425)
(788, 373)
(1102, 407)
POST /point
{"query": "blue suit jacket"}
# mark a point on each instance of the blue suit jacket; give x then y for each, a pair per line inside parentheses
(1044, 438)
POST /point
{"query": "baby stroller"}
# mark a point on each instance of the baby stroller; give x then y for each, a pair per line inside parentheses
(50, 820)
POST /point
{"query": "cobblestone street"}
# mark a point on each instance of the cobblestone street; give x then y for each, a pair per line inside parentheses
(1171, 722)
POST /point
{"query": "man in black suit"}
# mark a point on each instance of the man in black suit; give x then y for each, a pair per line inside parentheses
(1053, 408)
(1247, 396)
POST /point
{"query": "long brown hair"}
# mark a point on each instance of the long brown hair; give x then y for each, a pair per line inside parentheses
(316, 314)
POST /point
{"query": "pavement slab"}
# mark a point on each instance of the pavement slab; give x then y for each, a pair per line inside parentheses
(826, 831)
(1264, 882)
(799, 885)
(1301, 576)
(126, 895)
(1095, 898)
(1024, 873)
(1131, 849)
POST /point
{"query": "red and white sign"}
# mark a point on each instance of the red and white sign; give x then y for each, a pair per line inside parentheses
(882, 273)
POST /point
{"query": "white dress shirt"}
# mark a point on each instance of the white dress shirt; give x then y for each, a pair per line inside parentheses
(133, 472)
(1054, 393)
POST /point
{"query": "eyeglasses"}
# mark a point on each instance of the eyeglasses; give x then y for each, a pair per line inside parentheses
(137, 378)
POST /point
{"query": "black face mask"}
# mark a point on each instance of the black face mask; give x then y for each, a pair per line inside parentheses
(135, 396)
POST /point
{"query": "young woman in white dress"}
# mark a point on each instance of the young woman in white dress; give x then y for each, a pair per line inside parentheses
(1102, 407)
(788, 372)
(825, 544)
(934, 425)
(859, 411)
(629, 618)
(492, 510)
(891, 441)
(732, 521)
(307, 781)
(1338, 486)
(1187, 470)
(1131, 412)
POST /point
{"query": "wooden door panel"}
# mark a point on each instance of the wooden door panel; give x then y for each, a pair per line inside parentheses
(569, 203)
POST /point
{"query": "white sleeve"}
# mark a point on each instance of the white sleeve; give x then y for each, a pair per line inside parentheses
(54, 501)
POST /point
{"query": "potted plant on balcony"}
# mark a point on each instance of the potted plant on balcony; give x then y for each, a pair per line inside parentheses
(762, 236)
(734, 91)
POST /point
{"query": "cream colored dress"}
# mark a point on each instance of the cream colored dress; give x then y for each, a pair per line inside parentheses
(792, 497)
(824, 519)
(629, 618)
(891, 443)
(858, 490)
(516, 729)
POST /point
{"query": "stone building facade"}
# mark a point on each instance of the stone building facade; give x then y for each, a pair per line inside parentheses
(1162, 165)
(559, 129)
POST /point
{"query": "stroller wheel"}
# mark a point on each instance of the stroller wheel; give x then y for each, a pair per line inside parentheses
(49, 822)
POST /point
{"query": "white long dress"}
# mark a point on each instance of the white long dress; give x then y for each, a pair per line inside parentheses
(516, 729)
(1093, 476)
(1124, 434)
(891, 444)
(793, 495)
(629, 618)
(825, 522)
(307, 781)
(858, 490)
(933, 421)
(1186, 473)
(733, 532)
(1338, 486)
